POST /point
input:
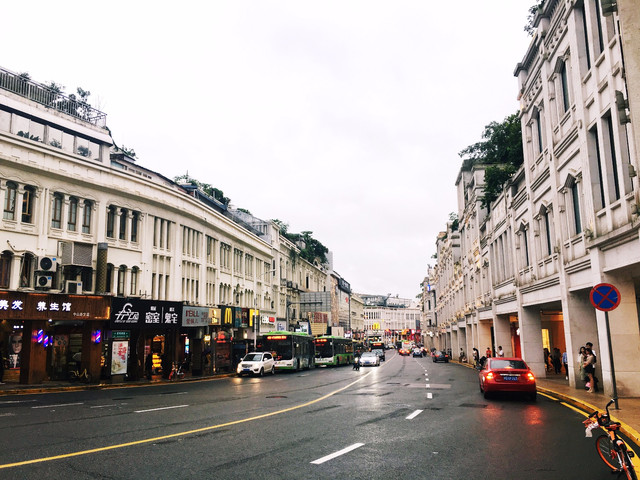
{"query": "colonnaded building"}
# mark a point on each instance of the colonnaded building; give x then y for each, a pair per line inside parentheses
(103, 256)
(520, 273)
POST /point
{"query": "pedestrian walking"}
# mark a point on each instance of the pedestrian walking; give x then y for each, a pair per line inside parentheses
(564, 363)
(589, 369)
(500, 351)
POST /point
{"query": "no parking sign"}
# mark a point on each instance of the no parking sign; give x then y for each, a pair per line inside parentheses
(605, 297)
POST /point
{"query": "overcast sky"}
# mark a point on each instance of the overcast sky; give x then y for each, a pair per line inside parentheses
(341, 117)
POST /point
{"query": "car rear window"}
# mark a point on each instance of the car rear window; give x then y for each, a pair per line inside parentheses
(518, 364)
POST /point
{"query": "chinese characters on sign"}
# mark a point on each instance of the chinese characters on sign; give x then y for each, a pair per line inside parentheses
(134, 313)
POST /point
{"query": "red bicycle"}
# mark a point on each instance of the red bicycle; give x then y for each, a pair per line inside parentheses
(611, 448)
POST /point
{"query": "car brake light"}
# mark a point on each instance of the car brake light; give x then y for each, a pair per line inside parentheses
(489, 376)
(530, 377)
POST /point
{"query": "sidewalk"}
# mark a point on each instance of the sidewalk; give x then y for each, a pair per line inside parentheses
(555, 385)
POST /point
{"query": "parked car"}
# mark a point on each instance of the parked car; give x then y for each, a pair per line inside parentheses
(380, 354)
(501, 374)
(404, 351)
(256, 363)
(370, 359)
(417, 352)
(439, 356)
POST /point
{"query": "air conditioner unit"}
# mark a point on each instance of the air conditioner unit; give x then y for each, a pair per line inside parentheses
(44, 281)
(76, 253)
(73, 287)
(47, 264)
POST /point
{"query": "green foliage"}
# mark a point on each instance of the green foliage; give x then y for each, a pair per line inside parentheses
(244, 210)
(205, 187)
(312, 250)
(533, 10)
(501, 150)
(453, 218)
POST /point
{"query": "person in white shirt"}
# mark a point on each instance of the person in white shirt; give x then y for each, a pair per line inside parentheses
(500, 351)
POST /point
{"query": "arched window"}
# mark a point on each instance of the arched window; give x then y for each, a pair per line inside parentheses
(111, 221)
(56, 211)
(27, 204)
(122, 274)
(72, 222)
(86, 216)
(27, 264)
(10, 201)
(122, 234)
(5, 268)
(133, 287)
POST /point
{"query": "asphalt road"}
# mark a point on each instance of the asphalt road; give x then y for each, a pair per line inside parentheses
(409, 418)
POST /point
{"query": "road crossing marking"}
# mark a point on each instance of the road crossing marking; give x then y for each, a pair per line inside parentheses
(429, 395)
(160, 408)
(338, 453)
(414, 414)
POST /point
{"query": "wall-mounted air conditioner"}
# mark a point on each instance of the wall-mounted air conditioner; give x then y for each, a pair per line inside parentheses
(73, 287)
(44, 281)
(47, 264)
(76, 253)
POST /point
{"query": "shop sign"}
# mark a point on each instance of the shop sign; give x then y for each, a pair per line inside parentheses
(136, 313)
(237, 317)
(196, 316)
(120, 334)
(253, 316)
(267, 320)
(227, 315)
(244, 317)
(52, 306)
(216, 316)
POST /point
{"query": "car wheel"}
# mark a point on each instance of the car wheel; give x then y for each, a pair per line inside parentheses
(261, 372)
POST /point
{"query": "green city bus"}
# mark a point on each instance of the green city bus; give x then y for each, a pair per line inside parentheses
(332, 350)
(290, 350)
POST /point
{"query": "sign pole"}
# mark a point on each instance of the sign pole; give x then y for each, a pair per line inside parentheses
(606, 297)
(613, 370)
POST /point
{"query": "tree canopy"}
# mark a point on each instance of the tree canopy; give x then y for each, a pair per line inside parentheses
(312, 250)
(501, 151)
(205, 187)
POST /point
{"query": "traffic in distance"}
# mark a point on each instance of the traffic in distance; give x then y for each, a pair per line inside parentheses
(299, 351)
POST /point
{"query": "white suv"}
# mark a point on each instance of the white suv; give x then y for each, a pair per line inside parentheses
(256, 363)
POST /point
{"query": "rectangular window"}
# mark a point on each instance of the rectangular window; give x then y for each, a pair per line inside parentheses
(547, 232)
(526, 248)
(27, 204)
(5, 269)
(585, 46)
(124, 216)
(86, 217)
(565, 88)
(73, 215)
(56, 212)
(135, 218)
(10, 201)
(111, 222)
(575, 197)
(594, 153)
(599, 26)
(613, 160)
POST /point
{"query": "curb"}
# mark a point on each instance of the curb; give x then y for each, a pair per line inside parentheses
(627, 430)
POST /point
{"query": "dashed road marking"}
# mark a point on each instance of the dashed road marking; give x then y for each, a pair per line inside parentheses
(161, 408)
(337, 454)
(414, 414)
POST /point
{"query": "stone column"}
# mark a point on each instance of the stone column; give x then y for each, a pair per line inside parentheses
(531, 340)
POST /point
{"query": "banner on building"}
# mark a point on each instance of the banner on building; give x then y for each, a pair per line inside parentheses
(128, 313)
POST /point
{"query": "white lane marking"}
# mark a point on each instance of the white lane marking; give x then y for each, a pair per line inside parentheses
(338, 453)
(428, 385)
(59, 405)
(111, 405)
(8, 415)
(414, 414)
(429, 395)
(161, 408)
(16, 401)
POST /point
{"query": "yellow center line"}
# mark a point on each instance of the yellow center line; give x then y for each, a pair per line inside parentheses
(179, 434)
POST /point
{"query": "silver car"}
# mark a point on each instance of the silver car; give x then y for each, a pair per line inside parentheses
(369, 358)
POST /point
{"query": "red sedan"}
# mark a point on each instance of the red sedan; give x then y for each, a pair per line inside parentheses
(501, 374)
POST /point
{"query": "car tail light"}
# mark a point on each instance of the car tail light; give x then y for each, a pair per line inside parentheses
(530, 377)
(489, 376)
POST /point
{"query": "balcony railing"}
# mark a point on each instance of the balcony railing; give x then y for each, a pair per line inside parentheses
(20, 85)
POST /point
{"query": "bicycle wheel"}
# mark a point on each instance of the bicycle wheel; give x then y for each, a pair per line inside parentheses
(629, 470)
(607, 453)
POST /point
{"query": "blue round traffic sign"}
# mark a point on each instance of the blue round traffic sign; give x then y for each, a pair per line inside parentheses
(605, 297)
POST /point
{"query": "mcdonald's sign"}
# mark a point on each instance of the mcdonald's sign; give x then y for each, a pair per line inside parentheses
(227, 315)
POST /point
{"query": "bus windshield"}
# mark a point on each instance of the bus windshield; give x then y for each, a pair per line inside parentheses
(281, 349)
(324, 349)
